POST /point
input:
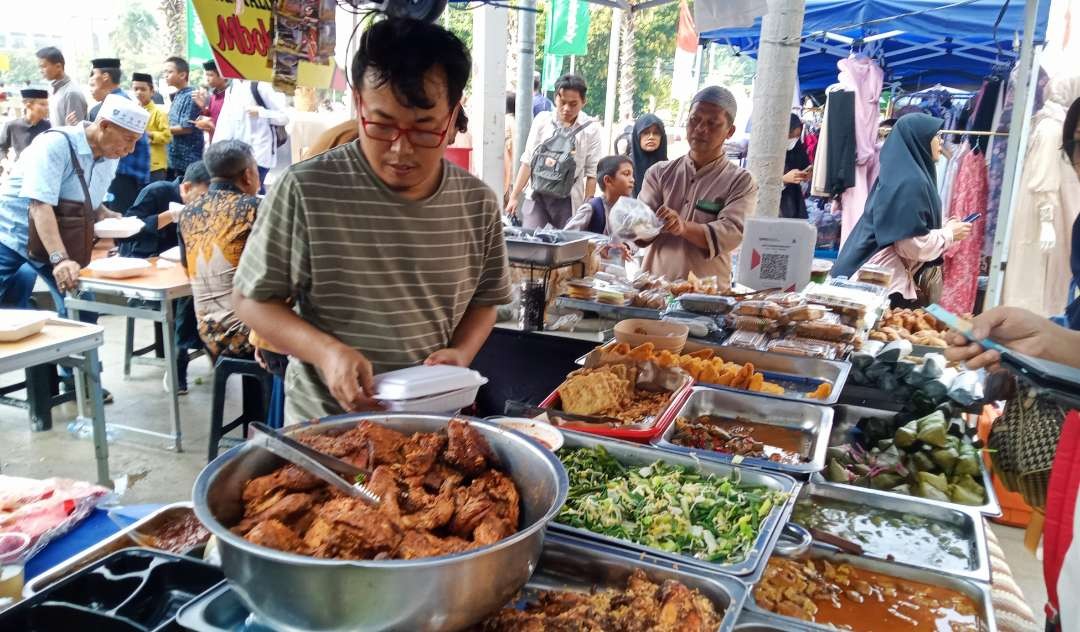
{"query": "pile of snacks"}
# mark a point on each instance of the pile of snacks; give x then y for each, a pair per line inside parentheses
(786, 323)
(611, 391)
(704, 366)
(915, 326)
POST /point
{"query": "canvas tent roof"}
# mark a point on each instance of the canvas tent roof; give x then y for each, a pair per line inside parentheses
(918, 42)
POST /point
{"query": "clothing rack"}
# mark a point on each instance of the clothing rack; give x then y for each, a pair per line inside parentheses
(971, 133)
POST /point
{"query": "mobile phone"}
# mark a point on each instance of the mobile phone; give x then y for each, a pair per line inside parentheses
(962, 326)
(972, 218)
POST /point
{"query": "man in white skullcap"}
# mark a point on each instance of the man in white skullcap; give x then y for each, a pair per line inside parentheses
(44, 175)
(701, 197)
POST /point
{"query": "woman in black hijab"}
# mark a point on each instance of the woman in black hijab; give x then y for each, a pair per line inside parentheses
(648, 146)
(901, 226)
(792, 202)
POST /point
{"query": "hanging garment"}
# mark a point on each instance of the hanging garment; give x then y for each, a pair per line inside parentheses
(983, 113)
(863, 76)
(821, 156)
(998, 154)
(840, 171)
(1037, 280)
(811, 140)
(961, 266)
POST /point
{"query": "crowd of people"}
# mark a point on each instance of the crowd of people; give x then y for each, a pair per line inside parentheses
(165, 164)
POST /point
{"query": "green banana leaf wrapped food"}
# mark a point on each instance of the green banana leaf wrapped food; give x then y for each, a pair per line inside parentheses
(934, 429)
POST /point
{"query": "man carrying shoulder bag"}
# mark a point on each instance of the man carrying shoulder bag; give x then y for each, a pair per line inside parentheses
(56, 192)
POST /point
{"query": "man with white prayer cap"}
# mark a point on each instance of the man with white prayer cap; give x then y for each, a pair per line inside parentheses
(44, 175)
(701, 197)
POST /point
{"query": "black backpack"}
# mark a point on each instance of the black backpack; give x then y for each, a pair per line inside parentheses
(280, 135)
(553, 164)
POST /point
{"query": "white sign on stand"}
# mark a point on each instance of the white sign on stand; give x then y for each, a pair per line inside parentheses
(776, 253)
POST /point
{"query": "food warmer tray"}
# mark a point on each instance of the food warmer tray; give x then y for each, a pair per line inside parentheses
(761, 622)
(797, 373)
(567, 563)
(126, 538)
(977, 591)
(806, 418)
(970, 522)
(571, 247)
(614, 312)
(749, 569)
(133, 590)
(991, 508)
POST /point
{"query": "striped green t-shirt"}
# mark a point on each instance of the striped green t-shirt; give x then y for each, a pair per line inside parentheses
(387, 276)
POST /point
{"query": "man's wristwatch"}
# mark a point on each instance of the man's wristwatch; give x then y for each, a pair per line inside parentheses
(56, 258)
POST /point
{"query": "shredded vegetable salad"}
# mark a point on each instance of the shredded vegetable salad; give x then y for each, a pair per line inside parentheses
(663, 506)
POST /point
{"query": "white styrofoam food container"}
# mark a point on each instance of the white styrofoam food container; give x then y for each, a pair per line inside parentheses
(118, 267)
(118, 227)
(172, 254)
(16, 324)
(431, 389)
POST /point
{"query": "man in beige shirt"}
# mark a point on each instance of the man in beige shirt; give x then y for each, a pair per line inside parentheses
(701, 198)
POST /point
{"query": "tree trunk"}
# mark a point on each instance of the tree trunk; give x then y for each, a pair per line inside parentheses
(176, 23)
(627, 76)
(773, 90)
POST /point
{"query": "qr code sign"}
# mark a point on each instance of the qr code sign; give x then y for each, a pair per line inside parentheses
(773, 267)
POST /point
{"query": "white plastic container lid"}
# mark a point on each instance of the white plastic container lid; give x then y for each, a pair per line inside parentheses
(423, 381)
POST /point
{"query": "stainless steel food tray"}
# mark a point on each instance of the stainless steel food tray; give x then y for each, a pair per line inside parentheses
(977, 591)
(991, 508)
(566, 564)
(760, 622)
(970, 523)
(749, 569)
(808, 419)
(614, 312)
(123, 539)
(780, 365)
(571, 247)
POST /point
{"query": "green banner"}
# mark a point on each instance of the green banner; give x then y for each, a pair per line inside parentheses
(198, 47)
(552, 71)
(569, 34)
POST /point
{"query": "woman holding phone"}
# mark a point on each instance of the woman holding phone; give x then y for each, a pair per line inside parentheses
(901, 227)
(796, 171)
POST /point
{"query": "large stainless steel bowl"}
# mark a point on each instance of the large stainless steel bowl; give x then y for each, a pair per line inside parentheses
(295, 592)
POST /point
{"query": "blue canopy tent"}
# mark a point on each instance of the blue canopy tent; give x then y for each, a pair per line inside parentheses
(918, 43)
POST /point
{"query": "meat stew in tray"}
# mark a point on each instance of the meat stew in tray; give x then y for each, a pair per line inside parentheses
(440, 495)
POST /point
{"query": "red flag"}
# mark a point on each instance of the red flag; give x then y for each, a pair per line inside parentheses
(687, 38)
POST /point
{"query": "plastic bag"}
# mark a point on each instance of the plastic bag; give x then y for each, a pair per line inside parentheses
(633, 220)
(45, 509)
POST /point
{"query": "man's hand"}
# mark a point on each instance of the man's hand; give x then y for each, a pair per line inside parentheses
(66, 274)
(104, 212)
(259, 360)
(620, 250)
(205, 123)
(512, 206)
(672, 222)
(452, 357)
(1015, 328)
(796, 176)
(71, 118)
(200, 97)
(347, 374)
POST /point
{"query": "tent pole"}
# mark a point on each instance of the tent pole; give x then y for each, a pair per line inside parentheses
(612, 78)
(777, 67)
(523, 115)
(1023, 101)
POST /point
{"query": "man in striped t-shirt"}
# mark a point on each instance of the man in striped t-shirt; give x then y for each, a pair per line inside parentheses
(391, 255)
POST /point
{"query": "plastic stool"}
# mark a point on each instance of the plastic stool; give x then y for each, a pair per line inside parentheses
(257, 387)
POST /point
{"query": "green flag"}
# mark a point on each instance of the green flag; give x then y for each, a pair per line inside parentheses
(552, 71)
(198, 48)
(569, 33)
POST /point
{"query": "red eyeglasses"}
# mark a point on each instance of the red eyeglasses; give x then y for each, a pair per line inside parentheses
(418, 137)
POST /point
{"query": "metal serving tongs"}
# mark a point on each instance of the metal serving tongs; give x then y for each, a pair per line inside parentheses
(324, 466)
